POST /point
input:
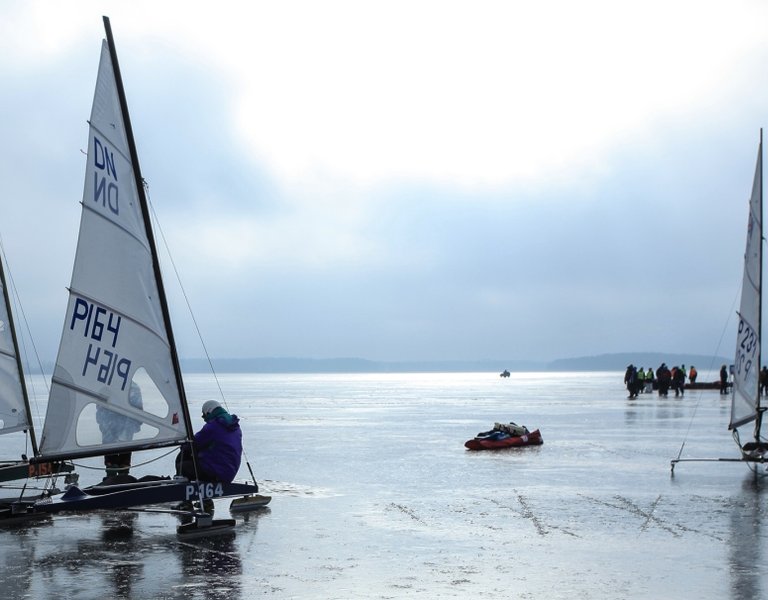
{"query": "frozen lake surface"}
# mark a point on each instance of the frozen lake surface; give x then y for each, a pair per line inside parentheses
(374, 496)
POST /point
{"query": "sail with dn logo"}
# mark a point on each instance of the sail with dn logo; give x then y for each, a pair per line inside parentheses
(117, 386)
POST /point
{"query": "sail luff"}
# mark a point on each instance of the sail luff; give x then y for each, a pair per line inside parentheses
(148, 225)
(746, 391)
(758, 410)
(27, 423)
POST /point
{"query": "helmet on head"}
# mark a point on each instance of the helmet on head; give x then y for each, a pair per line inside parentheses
(209, 407)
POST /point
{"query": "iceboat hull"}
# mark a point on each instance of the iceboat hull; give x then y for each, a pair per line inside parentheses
(140, 493)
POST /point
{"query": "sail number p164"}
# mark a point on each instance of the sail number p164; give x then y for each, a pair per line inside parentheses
(101, 325)
(204, 490)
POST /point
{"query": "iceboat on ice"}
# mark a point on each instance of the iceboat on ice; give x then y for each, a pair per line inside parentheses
(117, 333)
(746, 407)
(20, 480)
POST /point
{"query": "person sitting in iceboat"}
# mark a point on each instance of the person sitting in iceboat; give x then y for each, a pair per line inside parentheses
(217, 447)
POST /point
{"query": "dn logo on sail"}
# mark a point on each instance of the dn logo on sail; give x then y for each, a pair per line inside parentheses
(105, 192)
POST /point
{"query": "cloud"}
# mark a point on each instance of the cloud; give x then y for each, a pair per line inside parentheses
(405, 180)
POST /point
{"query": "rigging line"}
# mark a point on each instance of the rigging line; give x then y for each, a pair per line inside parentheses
(717, 349)
(25, 487)
(156, 222)
(133, 465)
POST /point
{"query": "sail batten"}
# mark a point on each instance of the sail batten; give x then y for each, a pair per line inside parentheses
(124, 315)
(745, 403)
(116, 351)
(96, 213)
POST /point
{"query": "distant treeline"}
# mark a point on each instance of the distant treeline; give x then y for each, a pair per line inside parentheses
(352, 365)
(603, 362)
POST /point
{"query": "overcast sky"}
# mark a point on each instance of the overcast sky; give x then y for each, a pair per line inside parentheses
(409, 180)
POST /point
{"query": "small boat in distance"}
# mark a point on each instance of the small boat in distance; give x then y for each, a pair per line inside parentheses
(706, 385)
(504, 435)
(504, 373)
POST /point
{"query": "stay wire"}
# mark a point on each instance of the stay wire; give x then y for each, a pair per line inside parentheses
(132, 466)
(711, 365)
(156, 223)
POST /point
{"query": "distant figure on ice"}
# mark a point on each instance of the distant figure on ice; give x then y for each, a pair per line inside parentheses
(631, 381)
(723, 380)
(678, 381)
(764, 381)
(664, 377)
(649, 381)
(693, 374)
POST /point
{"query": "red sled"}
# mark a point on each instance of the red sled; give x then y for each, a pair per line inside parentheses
(497, 440)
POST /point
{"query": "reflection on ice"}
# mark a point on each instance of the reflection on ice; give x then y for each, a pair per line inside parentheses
(374, 496)
(120, 555)
(746, 554)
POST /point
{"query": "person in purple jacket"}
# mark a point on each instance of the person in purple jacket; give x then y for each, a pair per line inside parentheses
(217, 447)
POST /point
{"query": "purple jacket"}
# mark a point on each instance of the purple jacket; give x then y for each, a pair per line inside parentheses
(219, 446)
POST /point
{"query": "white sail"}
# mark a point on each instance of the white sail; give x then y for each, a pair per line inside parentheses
(746, 368)
(114, 332)
(13, 411)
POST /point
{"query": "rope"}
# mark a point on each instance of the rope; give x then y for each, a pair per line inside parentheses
(156, 222)
(146, 462)
(700, 395)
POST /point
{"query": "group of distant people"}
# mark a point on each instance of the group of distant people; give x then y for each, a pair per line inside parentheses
(641, 381)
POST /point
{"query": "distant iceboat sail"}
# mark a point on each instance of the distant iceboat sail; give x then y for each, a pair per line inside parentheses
(14, 411)
(116, 330)
(745, 405)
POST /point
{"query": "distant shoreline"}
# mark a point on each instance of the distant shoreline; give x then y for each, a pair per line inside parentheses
(604, 362)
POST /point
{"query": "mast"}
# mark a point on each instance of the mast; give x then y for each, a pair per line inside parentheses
(759, 410)
(12, 327)
(148, 225)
